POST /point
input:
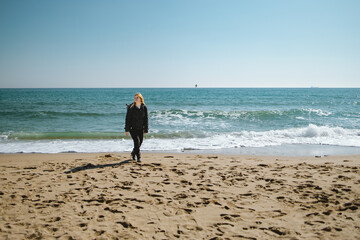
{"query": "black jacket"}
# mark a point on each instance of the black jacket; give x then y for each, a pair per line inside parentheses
(137, 118)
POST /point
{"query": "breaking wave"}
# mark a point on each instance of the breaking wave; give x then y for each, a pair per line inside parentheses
(177, 140)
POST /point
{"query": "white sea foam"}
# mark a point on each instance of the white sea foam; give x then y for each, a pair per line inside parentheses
(179, 118)
(4, 136)
(318, 112)
(311, 134)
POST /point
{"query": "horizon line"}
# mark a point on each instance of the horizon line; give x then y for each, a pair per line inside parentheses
(311, 87)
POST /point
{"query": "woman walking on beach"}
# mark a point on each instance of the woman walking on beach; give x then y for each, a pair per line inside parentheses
(137, 123)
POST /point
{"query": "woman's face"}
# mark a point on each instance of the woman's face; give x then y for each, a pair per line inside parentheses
(137, 98)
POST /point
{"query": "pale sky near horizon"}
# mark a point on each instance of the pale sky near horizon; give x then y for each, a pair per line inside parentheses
(179, 43)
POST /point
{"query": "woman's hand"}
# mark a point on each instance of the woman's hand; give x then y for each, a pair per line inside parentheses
(127, 134)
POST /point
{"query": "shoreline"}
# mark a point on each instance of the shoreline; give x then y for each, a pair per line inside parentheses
(178, 195)
(290, 150)
(295, 150)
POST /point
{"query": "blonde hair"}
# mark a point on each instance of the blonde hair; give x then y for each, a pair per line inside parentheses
(141, 99)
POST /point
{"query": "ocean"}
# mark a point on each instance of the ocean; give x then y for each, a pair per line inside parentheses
(180, 119)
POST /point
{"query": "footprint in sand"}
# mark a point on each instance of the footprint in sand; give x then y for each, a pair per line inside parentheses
(180, 196)
(98, 232)
(231, 217)
(113, 210)
(126, 224)
(166, 181)
(83, 225)
(54, 219)
(101, 218)
(177, 171)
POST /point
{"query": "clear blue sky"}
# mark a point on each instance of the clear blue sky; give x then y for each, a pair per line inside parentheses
(179, 43)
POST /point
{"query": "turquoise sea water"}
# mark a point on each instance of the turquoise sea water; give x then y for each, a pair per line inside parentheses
(92, 120)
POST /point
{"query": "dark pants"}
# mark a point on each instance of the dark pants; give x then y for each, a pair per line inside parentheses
(137, 136)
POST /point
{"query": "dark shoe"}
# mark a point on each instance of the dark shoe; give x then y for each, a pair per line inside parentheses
(133, 155)
(138, 157)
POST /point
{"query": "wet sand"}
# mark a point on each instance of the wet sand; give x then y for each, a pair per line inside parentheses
(185, 196)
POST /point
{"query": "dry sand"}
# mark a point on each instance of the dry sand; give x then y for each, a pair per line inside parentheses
(169, 196)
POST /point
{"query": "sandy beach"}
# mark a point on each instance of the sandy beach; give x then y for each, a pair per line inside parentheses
(185, 196)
